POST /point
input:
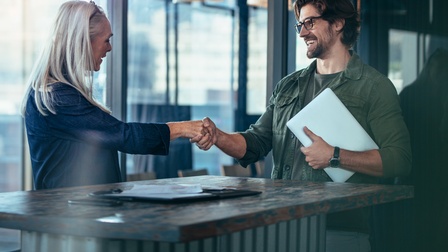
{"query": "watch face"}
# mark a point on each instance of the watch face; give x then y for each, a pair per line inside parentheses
(334, 162)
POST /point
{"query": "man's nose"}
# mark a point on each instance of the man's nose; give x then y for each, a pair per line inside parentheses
(303, 32)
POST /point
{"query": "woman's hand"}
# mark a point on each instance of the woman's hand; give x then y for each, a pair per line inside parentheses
(202, 132)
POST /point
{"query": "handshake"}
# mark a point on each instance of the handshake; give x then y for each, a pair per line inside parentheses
(207, 137)
(201, 132)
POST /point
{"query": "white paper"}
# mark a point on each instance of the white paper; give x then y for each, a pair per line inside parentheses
(164, 189)
(170, 191)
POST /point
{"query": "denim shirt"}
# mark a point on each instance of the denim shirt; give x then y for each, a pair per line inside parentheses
(368, 95)
(79, 144)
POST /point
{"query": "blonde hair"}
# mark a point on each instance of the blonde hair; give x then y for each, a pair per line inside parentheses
(68, 56)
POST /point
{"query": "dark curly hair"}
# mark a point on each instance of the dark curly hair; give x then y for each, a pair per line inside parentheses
(332, 10)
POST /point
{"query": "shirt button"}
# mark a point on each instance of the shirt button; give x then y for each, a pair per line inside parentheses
(287, 167)
(292, 136)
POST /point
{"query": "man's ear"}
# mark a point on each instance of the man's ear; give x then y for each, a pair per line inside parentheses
(339, 24)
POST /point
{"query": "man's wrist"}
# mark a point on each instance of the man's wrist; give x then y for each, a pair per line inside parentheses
(335, 160)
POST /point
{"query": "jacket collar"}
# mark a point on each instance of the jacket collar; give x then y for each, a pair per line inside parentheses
(353, 71)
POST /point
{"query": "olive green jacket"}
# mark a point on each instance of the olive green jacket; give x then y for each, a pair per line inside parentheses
(368, 95)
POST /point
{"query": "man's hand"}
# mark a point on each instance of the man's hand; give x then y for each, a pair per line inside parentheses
(208, 138)
(318, 154)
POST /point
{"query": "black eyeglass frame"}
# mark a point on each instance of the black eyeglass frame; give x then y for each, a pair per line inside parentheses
(308, 23)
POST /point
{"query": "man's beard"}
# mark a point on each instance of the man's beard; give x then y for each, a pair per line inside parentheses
(318, 51)
(321, 47)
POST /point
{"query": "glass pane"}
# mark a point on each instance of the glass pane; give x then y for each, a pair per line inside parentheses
(181, 67)
(302, 60)
(403, 66)
(147, 52)
(206, 72)
(408, 54)
(257, 61)
(23, 33)
(147, 67)
(99, 78)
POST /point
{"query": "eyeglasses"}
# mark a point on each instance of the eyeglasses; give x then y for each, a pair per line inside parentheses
(307, 23)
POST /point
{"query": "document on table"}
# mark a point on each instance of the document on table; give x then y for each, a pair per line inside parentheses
(174, 192)
(170, 191)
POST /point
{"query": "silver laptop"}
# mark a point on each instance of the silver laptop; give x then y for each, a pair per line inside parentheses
(328, 118)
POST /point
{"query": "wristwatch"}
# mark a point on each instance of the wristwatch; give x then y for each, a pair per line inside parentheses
(334, 161)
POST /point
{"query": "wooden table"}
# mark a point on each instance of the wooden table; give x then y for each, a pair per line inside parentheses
(287, 216)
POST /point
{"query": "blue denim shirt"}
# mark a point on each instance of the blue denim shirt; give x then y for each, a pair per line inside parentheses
(79, 144)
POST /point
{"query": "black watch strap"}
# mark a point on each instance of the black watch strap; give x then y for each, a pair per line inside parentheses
(334, 161)
(336, 152)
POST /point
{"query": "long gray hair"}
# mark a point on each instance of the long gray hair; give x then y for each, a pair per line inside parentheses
(68, 55)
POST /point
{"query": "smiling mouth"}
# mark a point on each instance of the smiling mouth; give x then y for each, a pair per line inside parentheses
(310, 42)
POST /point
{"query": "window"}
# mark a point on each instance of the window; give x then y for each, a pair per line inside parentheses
(20, 40)
(302, 60)
(24, 31)
(183, 62)
(257, 65)
(403, 67)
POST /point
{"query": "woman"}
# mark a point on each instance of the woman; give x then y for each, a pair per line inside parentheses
(73, 139)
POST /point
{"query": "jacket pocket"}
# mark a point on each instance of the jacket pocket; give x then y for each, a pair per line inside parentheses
(284, 106)
(357, 107)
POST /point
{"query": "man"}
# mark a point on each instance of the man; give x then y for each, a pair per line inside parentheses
(329, 28)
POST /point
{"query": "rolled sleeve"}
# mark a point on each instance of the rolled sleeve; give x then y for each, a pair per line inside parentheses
(390, 132)
(258, 139)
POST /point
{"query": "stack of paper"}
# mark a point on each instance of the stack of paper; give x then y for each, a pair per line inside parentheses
(163, 191)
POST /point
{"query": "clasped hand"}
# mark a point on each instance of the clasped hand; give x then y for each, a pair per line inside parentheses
(318, 154)
(208, 136)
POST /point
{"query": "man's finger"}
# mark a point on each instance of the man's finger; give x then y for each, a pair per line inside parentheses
(310, 134)
(206, 121)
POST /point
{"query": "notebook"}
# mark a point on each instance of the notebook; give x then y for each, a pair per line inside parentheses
(328, 118)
